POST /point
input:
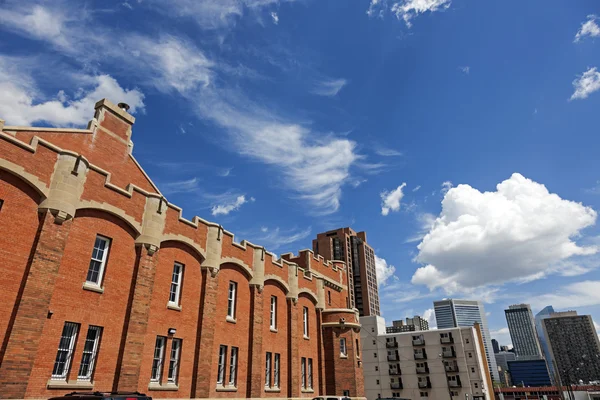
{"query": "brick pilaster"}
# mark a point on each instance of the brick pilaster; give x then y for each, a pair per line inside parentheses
(205, 369)
(321, 352)
(293, 351)
(136, 322)
(23, 342)
(255, 341)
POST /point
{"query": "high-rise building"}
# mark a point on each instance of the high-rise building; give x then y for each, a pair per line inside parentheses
(453, 313)
(502, 359)
(521, 326)
(438, 364)
(574, 346)
(539, 326)
(347, 245)
(529, 372)
(495, 346)
(412, 324)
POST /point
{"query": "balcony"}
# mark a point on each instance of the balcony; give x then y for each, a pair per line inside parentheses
(391, 345)
(393, 357)
(418, 342)
(449, 353)
(424, 385)
(451, 368)
(422, 370)
(447, 340)
(395, 372)
(396, 385)
(420, 356)
(454, 384)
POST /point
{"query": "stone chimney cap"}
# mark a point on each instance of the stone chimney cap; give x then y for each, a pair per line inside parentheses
(116, 109)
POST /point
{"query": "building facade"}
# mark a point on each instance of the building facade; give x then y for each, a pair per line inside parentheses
(415, 323)
(458, 313)
(495, 346)
(437, 364)
(105, 286)
(346, 245)
(521, 326)
(502, 359)
(574, 346)
(529, 372)
(548, 393)
(539, 326)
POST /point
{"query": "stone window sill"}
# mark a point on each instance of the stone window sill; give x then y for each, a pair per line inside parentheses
(306, 337)
(232, 320)
(226, 389)
(272, 390)
(168, 387)
(274, 330)
(173, 306)
(343, 356)
(76, 385)
(307, 391)
(92, 287)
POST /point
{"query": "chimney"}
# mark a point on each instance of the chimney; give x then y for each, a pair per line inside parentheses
(115, 120)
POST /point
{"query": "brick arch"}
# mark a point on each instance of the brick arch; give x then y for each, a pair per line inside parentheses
(33, 188)
(116, 213)
(192, 247)
(247, 272)
(109, 216)
(309, 294)
(274, 279)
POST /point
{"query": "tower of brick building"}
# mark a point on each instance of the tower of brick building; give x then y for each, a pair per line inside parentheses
(105, 286)
(346, 245)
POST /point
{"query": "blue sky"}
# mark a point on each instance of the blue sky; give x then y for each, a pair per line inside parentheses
(461, 135)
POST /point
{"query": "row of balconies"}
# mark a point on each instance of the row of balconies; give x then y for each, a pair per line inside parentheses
(419, 340)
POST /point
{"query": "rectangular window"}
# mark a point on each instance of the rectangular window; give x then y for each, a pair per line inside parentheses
(303, 372)
(157, 361)
(276, 371)
(231, 299)
(90, 349)
(309, 374)
(174, 361)
(268, 370)
(176, 279)
(221, 370)
(343, 350)
(98, 261)
(233, 366)
(305, 320)
(65, 351)
(357, 349)
(329, 297)
(273, 312)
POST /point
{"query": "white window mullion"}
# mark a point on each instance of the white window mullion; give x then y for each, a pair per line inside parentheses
(157, 362)
(98, 261)
(273, 312)
(176, 278)
(276, 371)
(268, 370)
(231, 299)
(221, 370)
(310, 377)
(174, 361)
(90, 349)
(233, 366)
(65, 351)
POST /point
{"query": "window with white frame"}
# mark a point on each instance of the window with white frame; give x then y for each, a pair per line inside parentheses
(158, 359)
(176, 279)
(268, 370)
(274, 312)
(233, 361)
(309, 374)
(221, 370)
(231, 299)
(303, 372)
(276, 370)
(343, 349)
(305, 321)
(90, 349)
(98, 261)
(174, 361)
(65, 351)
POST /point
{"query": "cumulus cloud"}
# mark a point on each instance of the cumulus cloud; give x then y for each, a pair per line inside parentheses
(330, 87)
(520, 231)
(429, 315)
(390, 201)
(21, 103)
(588, 28)
(229, 206)
(574, 295)
(446, 186)
(383, 270)
(586, 84)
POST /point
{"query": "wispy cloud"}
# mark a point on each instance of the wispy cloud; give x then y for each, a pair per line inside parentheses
(229, 205)
(465, 70)
(275, 17)
(425, 222)
(406, 10)
(387, 152)
(574, 295)
(185, 186)
(416, 188)
(390, 201)
(273, 239)
(586, 84)
(446, 186)
(329, 87)
(588, 28)
(595, 189)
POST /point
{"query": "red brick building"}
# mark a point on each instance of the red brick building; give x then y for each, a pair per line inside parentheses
(106, 287)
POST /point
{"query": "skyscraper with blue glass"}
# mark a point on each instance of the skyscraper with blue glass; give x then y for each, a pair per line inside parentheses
(539, 318)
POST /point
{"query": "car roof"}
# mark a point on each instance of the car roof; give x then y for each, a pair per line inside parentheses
(103, 395)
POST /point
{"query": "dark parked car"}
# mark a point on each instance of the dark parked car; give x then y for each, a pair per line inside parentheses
(103, 396)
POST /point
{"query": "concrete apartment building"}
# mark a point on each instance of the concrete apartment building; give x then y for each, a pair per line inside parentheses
(346, 245)
(453, 313)
(415, 323)
(574, 346)
(105, 286)
(521, 326)
(438, 364)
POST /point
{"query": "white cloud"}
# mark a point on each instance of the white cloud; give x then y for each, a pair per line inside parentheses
(519, 232)
(446, 186)
(595, 189)
(589, 28)
(387, 152)
(586, 84)
(273, 239)
(226, 208)
(465, 70)
(409, 9)
(21, 103)
(375, 8)
(275, 17)
(502, 335)
(425, 222)
(390, 201)
(383, 270)
(574, 295)
(329, 87)
(429, 315)
(185, 186)
(416, 188)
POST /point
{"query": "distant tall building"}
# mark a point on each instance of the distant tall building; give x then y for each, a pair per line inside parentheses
(539, 326)
(502, 359)
(454, 313)
(532, 372)
(347, 245)
(495, 346)
(521, 326)
(412, 324)
(574, 345)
